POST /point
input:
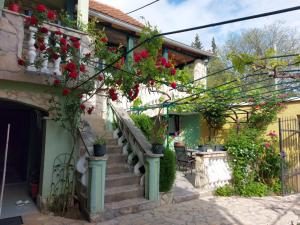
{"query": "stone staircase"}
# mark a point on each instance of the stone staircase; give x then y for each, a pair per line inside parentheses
(123, 192)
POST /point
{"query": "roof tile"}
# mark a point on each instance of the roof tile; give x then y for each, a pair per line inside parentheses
(113, 12)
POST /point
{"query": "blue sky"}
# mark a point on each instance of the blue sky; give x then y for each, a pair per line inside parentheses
(171, 15)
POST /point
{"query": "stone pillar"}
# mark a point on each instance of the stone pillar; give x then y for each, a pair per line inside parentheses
(200, 71)
(96, 185)
(83, 11)
(152, 177)
(1, 6)
(109, 118)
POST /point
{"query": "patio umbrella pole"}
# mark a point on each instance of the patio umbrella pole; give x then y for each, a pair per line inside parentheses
(4, 169)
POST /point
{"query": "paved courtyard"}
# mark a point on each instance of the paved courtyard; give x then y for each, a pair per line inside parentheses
(206, 211)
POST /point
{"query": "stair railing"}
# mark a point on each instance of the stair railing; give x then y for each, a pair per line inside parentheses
(135, 145)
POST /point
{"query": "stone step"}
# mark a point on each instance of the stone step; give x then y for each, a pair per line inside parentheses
(114, 168)
(121, 179)
(116, 158)
(128, 206)
(113, 149)
(111, 141)
(115, 194)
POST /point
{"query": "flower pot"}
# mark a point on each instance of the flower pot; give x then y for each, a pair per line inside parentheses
(205, 148)
(34, 190)
(179, 144)
(99, 150)
(158, 148)
(219, 148)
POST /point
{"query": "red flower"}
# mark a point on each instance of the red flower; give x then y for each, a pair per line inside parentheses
(163, 61)
(31, 21)
(101, 77)
(66, 91)
(168, 65)
(63, 41)
(257, 107)
(152, 82)
(137, 57)
(14, 7)
(90, 110)
(43, 30)
(73, 39)
(64, 49)
(144, 54)
(87, 55)
(58, 32)
(41, 8)
(272, 133)
(21, 62)
(82, 106)
(267, 145)
(56, 82)
(104, 39)
(114, 97)
(55, 56)
(73, 74)
(82, 68)
(173, 85)
(42, 47)
(51, 15)
(76, 44)
(71, 66)
(173, 71)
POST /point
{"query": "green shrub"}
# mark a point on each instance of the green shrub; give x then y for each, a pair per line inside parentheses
(167, 171)
(254, 189)
(226, 190)
(144, 123)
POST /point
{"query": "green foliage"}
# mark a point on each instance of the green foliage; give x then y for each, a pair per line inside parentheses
(255, 162)
(197, 43)
(167, 171)
(99, 141)
(144, 123)
(226, 191)
(137, 102)
(254, 189)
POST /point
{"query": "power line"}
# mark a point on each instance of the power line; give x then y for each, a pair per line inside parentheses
(190, 29)
(144, 6)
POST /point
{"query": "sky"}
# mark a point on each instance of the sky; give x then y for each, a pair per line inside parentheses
(169, 15)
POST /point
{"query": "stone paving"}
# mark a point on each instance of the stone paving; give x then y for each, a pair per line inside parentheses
(203, 211)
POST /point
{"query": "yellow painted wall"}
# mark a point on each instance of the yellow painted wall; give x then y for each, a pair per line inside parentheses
(291, 111)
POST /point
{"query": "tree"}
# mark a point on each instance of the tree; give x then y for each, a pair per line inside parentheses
(197, 43)
(257, 41)
(213, 46)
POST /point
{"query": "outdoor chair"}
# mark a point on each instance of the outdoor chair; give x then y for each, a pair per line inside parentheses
(183, 159)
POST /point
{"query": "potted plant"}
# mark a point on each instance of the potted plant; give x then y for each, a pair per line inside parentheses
(99, 147)
(158, 135)
(34, 185)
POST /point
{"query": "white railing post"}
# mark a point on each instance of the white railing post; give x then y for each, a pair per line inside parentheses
(44, 68)
(56, 69)
(32, 50)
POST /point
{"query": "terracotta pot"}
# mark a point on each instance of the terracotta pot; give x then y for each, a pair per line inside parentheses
(34, 190)
(179, 144)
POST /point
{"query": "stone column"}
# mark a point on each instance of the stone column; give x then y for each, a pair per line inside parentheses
(83, 11)
(200, 71)
(152, 177)
(96, 185)
(1, 6)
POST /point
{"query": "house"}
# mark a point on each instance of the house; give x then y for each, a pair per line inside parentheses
(39, 145)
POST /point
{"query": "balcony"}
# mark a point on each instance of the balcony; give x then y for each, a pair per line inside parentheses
(18, 42)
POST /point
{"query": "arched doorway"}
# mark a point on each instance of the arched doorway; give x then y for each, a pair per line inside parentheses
(24, 155)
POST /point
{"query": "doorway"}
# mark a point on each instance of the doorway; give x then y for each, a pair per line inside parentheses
(23, 158)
